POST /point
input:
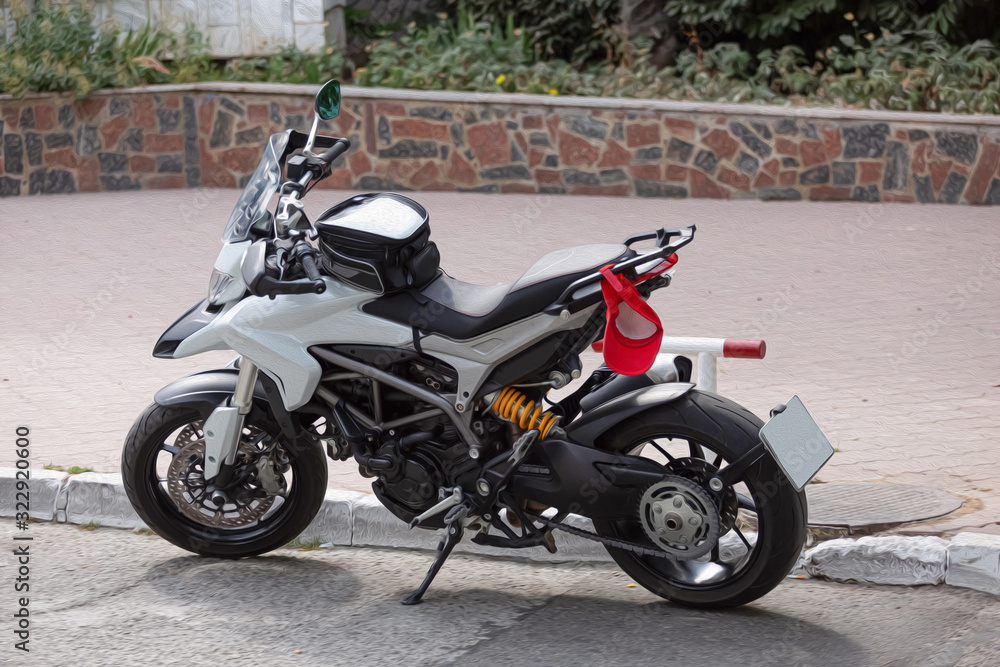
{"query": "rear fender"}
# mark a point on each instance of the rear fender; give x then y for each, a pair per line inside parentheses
(596, 422)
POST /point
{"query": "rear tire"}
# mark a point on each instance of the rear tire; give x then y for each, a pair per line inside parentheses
(145, 442)
(728, 430)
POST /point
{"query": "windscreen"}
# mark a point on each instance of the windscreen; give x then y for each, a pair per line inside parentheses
(251, 208)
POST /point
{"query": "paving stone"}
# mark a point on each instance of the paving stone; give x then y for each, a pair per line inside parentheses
(787, 127)
(647, 188)
(222, 131)
(993, 194)
(779, 194)
(112, 162)
(962, 146)
(678, 150)
(433, 113)
(50, 181)
(761, 129)
(865, 140)
(457, 132)
(974, 562)
(815, 176)
(99, 497)
(903, 561)
(747, 163)
(58, 140)
(67, 119)
(706, 161)
(384, 134)
(232, 106)
(867, 193)
(27, 120)
(953, 187)
(131, 140)
(612, 176)
(551, 161)
(113, 183)
(576, 177)
(410, 148)
(507, 172)
(9, 187)
(752, 141)
(119, 106)
(192, 149)
(171, 163)
(43, 485)
(925, 192)
(538, 139)
(33, 148)
(789, 162)
(897, 166)
(13, 153)
(254, 136)
(87, 140)
(169, 119)
(844, 173)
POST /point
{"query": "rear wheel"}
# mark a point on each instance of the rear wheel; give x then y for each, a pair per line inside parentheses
(163, 475)
(760, 521)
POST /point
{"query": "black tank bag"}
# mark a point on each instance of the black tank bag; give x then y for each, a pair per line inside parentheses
(378, 242)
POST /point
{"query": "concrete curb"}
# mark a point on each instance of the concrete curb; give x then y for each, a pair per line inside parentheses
(350, 518)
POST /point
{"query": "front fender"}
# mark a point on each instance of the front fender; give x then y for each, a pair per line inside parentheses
(205, 391)
(595, 422)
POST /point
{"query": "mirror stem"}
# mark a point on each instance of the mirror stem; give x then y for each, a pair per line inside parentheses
(312, 136)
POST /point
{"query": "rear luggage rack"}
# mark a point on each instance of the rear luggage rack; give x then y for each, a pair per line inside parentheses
(665, 247)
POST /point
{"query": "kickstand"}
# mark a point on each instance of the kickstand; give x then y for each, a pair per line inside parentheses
(448, 542)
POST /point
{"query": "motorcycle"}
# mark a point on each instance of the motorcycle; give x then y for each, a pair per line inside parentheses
(354, 344)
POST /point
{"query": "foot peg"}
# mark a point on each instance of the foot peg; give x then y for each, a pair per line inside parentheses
(447, 502)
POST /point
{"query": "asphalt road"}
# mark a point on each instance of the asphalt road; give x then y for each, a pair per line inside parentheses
(110, 597)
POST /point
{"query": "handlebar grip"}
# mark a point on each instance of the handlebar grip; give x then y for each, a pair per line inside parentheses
(309, 264)
(340, 146)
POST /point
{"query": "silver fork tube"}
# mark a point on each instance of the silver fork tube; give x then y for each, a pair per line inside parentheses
(224, 426)
(242, 401)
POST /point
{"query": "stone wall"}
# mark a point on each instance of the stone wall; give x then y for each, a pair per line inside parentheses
(211, 135)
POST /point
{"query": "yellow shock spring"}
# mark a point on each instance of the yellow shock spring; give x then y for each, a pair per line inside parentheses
(512, 405)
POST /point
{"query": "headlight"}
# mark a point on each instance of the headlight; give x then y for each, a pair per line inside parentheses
(217, 285)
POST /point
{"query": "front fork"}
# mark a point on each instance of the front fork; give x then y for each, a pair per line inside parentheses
(224, 426)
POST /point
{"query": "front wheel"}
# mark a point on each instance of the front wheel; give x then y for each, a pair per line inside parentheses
(163, 475)
(759, 522)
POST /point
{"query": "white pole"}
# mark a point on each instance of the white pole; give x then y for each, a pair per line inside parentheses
(707, 372)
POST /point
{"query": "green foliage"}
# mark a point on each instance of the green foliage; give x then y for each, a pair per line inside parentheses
(465, 55)
(290, 65)
(56, 48)
(574, 30)
(811, 24)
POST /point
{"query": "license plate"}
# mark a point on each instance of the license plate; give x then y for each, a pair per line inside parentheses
(797, 443)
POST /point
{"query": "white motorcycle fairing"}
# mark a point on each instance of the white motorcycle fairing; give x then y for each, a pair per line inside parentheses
(276, 334)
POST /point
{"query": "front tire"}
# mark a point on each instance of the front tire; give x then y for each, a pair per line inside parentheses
(714, 431)
(161, 433)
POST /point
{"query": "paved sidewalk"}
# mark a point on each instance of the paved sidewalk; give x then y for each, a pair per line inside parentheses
(884, 319)
(108, 597)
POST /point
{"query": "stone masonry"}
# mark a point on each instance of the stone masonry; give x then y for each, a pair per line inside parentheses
(191, 136)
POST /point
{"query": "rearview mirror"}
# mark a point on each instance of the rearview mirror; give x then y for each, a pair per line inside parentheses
(328, 100)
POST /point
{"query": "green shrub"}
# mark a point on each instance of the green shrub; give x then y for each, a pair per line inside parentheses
(575, 30)
(56, 48)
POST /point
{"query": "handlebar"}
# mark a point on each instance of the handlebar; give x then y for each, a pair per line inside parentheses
(339, 147)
